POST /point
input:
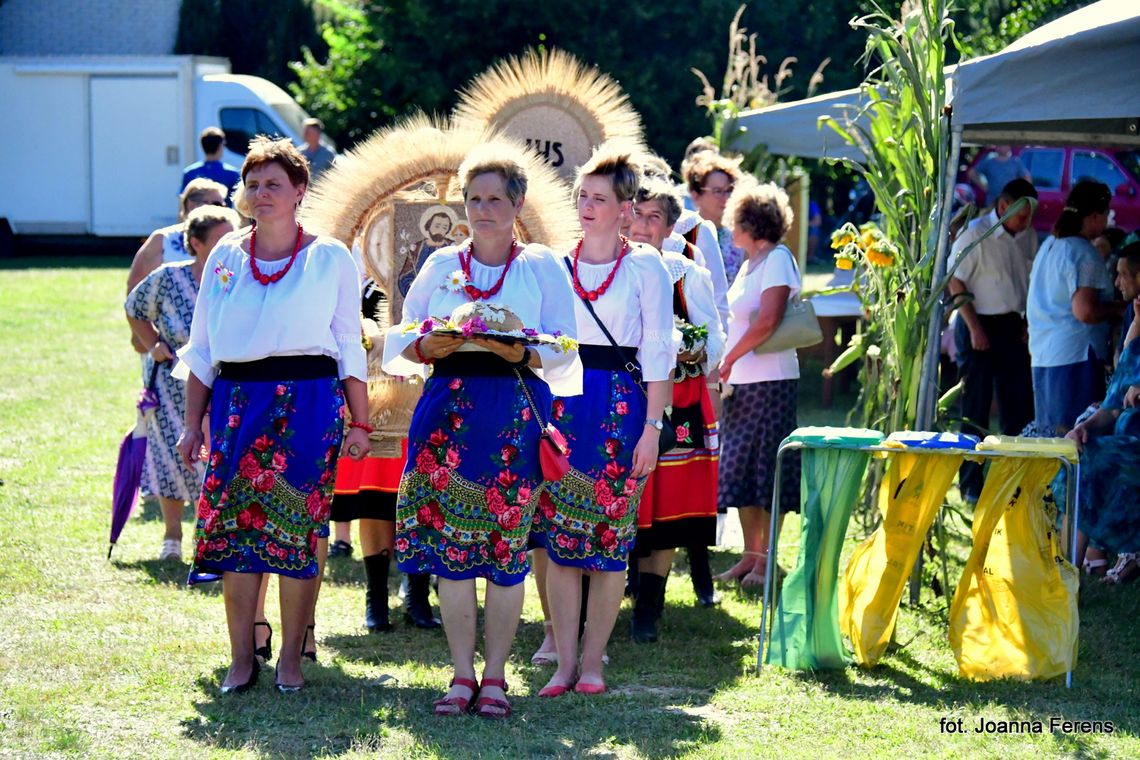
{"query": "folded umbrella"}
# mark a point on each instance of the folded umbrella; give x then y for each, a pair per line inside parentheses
(128, 470)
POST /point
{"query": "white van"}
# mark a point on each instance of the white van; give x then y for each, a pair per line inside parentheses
(95, 145)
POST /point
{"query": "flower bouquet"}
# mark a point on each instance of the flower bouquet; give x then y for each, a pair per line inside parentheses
(479, 319)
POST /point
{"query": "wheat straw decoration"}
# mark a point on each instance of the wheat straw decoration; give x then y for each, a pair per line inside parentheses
(378, 198)
(557, 105)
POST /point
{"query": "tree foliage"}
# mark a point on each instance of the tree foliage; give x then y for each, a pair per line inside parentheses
(260, 37)
(389, 58)
(986, 26)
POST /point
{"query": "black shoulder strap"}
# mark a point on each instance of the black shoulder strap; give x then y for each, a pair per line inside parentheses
(631, 366)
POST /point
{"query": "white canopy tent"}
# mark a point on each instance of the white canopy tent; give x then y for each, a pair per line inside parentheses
(1070, 81)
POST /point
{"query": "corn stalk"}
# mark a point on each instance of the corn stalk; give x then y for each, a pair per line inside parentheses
(901, 131)
(746, 85)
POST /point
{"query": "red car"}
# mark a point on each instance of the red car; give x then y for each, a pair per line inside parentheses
(1056, 169)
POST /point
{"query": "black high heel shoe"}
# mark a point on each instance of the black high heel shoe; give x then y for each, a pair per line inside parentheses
(286, 688)
(310, 633)
(264, 653)
(241, 688)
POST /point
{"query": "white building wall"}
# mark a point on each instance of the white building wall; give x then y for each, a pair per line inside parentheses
(88, 27)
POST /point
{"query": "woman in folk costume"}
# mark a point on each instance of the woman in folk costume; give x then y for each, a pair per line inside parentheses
(589, 521)
(678, 506)
(275, 351)
(696, 239)
(468, 492)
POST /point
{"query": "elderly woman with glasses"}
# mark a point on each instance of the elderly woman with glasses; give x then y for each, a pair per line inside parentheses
(710, 178)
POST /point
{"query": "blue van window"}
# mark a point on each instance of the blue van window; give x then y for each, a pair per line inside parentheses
(243, 124)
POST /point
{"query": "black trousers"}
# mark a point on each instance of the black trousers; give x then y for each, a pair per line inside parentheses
(1003, 369)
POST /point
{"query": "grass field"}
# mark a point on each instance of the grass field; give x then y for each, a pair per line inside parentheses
(119, 659)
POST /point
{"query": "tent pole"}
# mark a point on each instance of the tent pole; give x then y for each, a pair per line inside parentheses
(928, 389)
(928, 383)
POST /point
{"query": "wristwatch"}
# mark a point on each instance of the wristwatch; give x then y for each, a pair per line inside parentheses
(657, 424)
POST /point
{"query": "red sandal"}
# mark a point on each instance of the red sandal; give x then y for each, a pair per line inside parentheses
(452, 706)
(482, 705)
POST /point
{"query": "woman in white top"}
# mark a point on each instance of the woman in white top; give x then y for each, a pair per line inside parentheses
(761, 411)
(678, 506)
(275, 350)
(469, 488)
(589, 520)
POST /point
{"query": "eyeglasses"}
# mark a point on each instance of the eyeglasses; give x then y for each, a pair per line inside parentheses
(719, 192)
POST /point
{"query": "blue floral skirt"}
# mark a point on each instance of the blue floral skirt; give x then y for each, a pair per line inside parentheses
(588, 519)
(469, 488)
(265, 499)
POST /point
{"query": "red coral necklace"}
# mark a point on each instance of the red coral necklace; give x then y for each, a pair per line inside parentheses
(465, 262)
(594, 295)
(265, 279)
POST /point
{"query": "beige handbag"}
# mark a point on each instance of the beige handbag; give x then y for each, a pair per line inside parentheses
(798, 329)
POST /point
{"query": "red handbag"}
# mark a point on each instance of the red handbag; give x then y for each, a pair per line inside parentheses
(553, 453)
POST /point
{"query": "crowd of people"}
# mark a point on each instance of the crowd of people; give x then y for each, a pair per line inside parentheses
(1034, 332)
(645, 408)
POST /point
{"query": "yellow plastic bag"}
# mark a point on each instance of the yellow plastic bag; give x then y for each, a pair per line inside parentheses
(1015, 611)
(909, 498)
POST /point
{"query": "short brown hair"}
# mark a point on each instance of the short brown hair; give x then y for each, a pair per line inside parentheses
(657, 189)
(615, 162)
(761, 211)
(495, 158)
(205, 218)
(265, 150)
(703, 164)
(194, 191)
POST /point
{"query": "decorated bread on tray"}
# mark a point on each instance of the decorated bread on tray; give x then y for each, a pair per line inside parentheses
(486, 317)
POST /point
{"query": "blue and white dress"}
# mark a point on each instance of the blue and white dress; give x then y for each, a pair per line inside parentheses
(165, 298)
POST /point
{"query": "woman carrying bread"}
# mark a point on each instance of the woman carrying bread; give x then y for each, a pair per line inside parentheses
(469, 489)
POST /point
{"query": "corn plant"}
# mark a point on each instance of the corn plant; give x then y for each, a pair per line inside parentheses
(902, 132)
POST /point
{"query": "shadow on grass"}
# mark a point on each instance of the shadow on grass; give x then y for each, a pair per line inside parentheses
(160, 571)
(337, 713)
(904, 678)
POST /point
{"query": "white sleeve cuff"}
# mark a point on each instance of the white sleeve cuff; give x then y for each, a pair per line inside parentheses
(353, 360)
(192, 360)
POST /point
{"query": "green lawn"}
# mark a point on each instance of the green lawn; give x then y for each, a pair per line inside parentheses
(119, 659)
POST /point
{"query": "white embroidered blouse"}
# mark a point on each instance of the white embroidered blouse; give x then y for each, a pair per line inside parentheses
(536, 289)
(699, 302)
(312, 310)
(637, 309)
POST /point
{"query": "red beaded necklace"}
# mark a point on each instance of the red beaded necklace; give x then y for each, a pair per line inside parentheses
(594, 295)
(265, 279)
(465, 262)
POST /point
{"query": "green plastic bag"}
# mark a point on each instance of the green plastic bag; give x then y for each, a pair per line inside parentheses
(805, 632)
